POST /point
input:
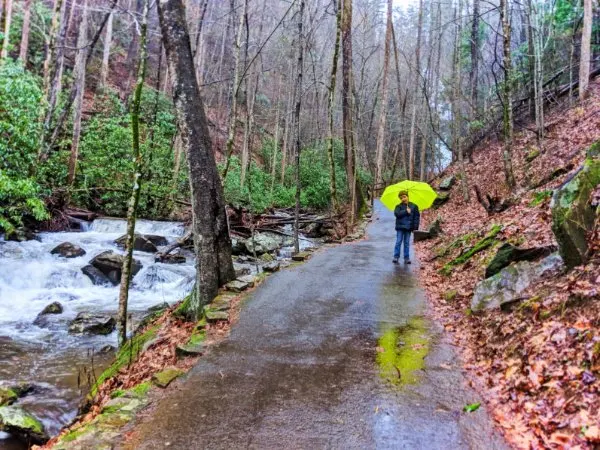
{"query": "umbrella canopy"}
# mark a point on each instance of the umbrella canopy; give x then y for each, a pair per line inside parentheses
(421, 194)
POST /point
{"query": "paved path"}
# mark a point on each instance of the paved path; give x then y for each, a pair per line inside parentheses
(299, 368)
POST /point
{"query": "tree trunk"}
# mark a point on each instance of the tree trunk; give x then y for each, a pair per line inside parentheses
(402, 106)
(531, 60)
(347, 108)
(507, 95)
(137, 179)
(586, 39)
(7, 16)
(331, 102)
(456, 104)
(384, 101)
(234, 92)
(79, 83)
(417, 79)
(297, 123)
(212, 244)
(474, 74)
(106, 53)
(24, 47)
(286, 133)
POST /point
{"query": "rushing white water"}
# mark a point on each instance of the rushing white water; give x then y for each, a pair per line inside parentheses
(31, 278)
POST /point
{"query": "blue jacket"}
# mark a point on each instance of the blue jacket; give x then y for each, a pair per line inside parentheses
(406, 221)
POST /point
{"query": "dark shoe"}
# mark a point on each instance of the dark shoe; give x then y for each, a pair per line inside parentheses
(407, 261)
(395, 260)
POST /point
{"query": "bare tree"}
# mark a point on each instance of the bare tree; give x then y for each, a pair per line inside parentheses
(212, 244)
(297, 111)
(79, 85)
(7, 16)
(347, 108)
(330, 103)
(507, 107)
(106, 52)
(384, 99)
(586, 39)
(24, 46)
(137, 178)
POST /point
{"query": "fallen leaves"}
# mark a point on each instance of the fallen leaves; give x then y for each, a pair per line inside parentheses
(537, 364)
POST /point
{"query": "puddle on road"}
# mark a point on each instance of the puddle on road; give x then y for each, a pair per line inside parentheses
(401, 352)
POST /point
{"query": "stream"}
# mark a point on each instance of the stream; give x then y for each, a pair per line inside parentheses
(57, 363)
(50, 357)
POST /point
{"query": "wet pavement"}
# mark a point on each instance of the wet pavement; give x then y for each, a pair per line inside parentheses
(300, 370)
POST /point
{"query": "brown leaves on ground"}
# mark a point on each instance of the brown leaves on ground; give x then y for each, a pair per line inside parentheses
(537, 363)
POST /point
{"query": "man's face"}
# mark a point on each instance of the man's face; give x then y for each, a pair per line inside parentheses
(404, 198)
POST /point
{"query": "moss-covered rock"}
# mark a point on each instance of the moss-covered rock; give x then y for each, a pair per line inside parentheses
(533, 153)
(508, 253)
(447, 183)
(507, 285)
(7, 396)
(164, 378)
(572, 214)
(442, 197)
(20, 423)
(487, 241)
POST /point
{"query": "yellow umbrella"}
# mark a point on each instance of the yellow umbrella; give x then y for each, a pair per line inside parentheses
(421, 194)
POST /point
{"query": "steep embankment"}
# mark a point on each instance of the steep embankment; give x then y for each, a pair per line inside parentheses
(537, 358)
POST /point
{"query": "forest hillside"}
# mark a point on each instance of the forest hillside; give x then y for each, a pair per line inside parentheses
(531, 345)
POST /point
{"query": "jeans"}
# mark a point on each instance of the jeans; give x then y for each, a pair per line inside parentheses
(402, 236)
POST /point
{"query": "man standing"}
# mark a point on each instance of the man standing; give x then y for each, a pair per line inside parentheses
(407, 220)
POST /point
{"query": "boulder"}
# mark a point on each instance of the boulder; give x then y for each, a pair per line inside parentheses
(52, 308)
(434, 230)
(68, 250)
(238, 246)
(314, 230)
(20, 423)
(507, 254)
(263, 243)
(442, 198)
(89, 323)
(572, 214)
(507, 285)
(7, 396)
(447, 183)
(111, 263)
(271, 267)
(215, 316)
(302, 256)
(165, 377)
(97, 277)
(241, 269)
(237, 286)
(21, 235)
(143, 242)
(171, 258)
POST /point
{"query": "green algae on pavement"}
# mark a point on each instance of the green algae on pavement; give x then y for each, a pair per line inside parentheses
(402, 351)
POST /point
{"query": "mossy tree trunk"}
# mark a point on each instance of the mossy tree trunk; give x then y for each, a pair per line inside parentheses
(297, 111)
(212, 244)
(507, 95)
(137, 178)
(330, 104)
